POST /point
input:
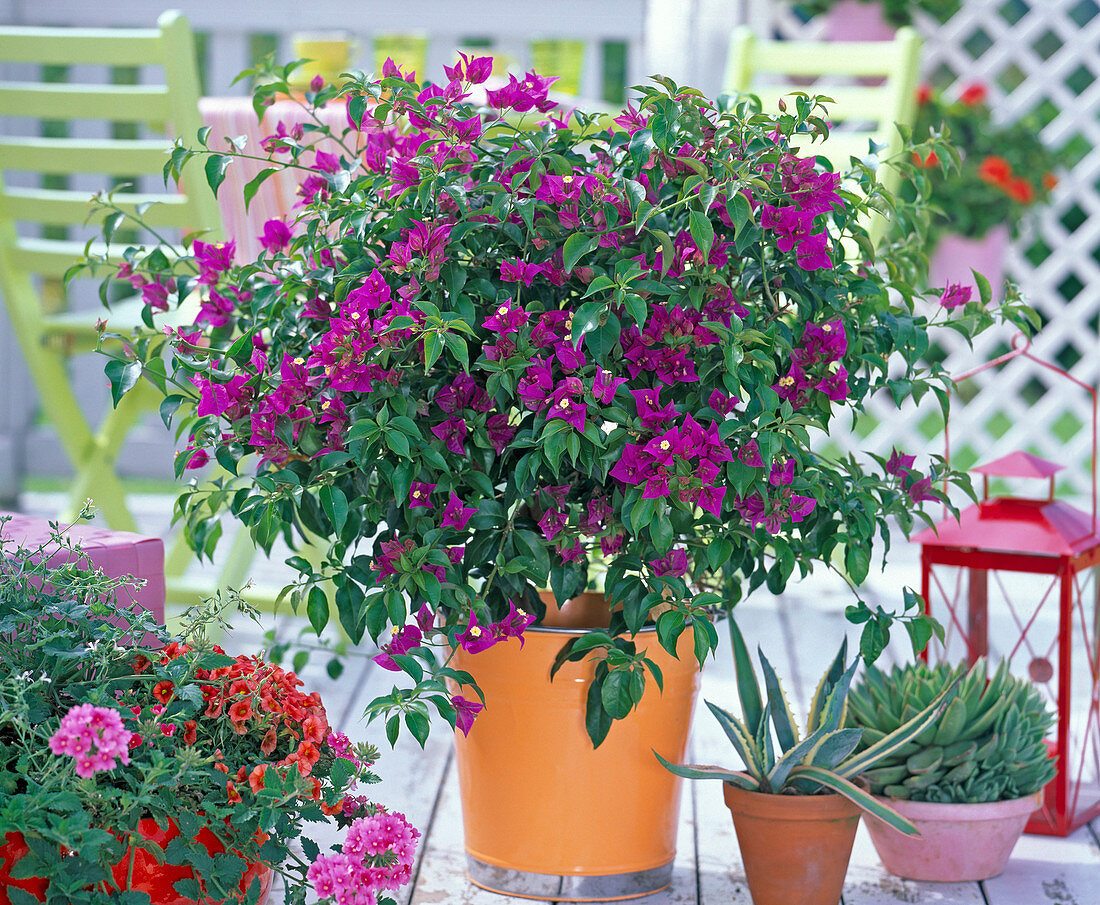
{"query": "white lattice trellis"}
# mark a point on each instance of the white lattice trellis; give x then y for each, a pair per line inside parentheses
(1042, 56)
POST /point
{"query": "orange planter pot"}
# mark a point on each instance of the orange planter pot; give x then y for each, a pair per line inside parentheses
(795, 848)
(545, 815)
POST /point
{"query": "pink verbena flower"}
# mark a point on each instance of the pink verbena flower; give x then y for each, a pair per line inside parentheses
(94, 737)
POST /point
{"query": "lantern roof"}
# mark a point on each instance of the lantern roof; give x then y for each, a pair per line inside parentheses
(1015, 525)
(1019, 465)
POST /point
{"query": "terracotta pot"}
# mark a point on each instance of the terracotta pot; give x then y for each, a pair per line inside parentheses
(852, 20)
(954, 256)
(958, 842)
(795, 848)
(157, 880)
(545, 815)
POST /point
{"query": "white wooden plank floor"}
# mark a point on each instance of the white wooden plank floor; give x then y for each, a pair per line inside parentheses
(800, 633)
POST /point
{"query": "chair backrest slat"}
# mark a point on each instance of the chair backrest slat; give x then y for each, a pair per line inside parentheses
(112, 103)
(71, 208)
(767, 67)
(67, 47)
(43, 229)
(117, 157)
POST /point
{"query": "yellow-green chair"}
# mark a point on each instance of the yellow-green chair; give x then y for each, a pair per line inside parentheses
(43, 231)
(840, 70)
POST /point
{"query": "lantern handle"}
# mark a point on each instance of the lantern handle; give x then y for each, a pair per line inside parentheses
(1021, 348)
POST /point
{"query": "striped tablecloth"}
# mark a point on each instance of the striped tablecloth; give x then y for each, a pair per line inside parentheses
(231, 117)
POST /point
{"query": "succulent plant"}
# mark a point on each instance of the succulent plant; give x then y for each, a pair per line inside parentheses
(987, 746)
(826, 759)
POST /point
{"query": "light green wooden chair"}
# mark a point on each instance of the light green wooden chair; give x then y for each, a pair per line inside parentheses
(43, 233)
(839, 70)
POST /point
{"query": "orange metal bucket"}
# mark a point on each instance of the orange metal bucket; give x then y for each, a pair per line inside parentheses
(545, 815)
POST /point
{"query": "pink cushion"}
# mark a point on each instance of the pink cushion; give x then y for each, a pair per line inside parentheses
(117, 553)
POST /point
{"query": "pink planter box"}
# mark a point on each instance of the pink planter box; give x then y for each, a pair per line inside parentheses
(117, 553)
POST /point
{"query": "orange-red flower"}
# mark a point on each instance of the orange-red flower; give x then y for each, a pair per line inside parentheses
(929, 162)
(314, 729)
(241, 710)
(140, 663)
(190, 732)
(1019, 189)
(331, 810)
(974, 94)
(164, 691)
(271, 740)
(924, 93)
(995, 170)
(1049, 181)
(231, 790)
(256, 778)
(308, 755)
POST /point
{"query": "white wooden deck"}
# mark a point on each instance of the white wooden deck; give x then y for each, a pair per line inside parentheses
(800, 633)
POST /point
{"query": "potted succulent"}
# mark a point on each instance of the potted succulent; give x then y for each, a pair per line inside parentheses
(970, 782)
(873, 20)
(176, 772)
(990, 184)
(498, 341)
(797, 802)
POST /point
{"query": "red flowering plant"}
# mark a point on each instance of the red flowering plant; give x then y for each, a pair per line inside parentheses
(497, 341)
(154, 763)
(993, 173)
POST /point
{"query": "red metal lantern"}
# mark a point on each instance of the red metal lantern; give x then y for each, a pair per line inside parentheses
(1018, 577)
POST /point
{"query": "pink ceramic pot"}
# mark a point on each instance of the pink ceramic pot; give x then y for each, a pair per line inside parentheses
(955, 256)
(852, 20)
(957, 842)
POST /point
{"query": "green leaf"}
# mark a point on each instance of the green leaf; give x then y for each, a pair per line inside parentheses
(253, 185)
(586, 319)
(985, 291)
(215, 167)
(317, 609)
(615, 694)
(123, 376)
(335, 503)
(575, 248)
(597, 721)
(702, 232)
(398, 443)
(433, 347)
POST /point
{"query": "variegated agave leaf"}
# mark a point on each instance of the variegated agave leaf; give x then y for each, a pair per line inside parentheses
(740, 738)
(821, 694)
(860, 797)
(705, 771)
(834, 747)
(786, 729)
(765, 750)
(748, 690)
(899, 737)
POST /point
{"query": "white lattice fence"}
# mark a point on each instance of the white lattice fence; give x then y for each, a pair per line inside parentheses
(1041, 56)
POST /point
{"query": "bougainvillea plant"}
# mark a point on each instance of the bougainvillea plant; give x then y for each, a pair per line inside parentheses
(497, 343)
(992, 174)
(135, 754)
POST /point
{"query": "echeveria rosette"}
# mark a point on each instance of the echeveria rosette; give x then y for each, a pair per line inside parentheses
(493, 353)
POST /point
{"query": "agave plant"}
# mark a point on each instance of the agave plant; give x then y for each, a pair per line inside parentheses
(821, 760)
(987, 747)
